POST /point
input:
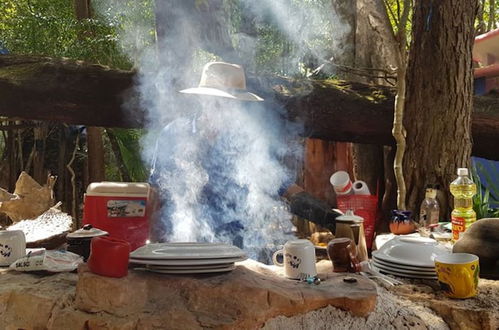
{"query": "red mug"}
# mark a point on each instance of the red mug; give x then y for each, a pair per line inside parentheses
(109, 256)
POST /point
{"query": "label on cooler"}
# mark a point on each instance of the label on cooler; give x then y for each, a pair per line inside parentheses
(126, 208)
(458, 227)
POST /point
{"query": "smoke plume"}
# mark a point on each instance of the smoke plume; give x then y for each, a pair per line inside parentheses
(219, 162)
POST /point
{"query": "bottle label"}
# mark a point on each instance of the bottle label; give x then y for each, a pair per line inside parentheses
(458, 227)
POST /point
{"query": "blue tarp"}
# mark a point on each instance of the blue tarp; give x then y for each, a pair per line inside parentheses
(488, 172)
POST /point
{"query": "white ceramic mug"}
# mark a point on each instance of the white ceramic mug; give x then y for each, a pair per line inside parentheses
(298, 258)
(12, 246)
(341, 183)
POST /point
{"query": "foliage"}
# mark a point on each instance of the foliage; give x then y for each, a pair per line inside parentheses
(296, 41)
(129, 144)
(487, 17)
(394, 10)
(49, 27)
(481, 201)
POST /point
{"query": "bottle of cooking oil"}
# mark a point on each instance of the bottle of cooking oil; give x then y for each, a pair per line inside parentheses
(463, 215)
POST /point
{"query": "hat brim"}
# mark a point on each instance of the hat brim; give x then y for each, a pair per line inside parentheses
(242, 96)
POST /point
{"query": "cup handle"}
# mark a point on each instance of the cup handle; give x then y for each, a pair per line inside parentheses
(354, 262)
(274, 258)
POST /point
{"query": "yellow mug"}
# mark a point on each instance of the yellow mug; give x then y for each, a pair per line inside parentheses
(458, 274)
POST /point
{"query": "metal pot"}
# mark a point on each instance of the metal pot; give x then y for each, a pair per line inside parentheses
(352, 226)
(79, 240)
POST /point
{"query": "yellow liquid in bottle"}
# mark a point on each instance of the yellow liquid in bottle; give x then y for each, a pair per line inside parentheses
(463, 214)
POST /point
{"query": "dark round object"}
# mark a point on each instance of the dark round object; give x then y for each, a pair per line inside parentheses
(482, 239)
(79, 241)
(80, 246)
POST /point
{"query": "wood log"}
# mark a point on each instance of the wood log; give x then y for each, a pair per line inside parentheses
(74, 92)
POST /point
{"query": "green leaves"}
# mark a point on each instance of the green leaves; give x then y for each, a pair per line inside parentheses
(481, 201)
(49, 27)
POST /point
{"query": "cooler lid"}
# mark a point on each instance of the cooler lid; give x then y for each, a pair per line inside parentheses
(107, 188)
(86, 232)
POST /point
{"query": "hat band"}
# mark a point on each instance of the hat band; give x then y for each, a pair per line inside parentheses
(229, 90)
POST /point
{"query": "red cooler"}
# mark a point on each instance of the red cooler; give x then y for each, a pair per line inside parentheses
(120, 209)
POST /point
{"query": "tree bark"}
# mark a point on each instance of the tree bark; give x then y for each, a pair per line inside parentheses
(95, 145)
(439, 95)
(40, 136)
(374, 48)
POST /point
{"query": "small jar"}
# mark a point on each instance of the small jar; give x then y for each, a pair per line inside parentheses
(401, 222)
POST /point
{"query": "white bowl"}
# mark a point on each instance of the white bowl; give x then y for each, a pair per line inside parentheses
(411, 251)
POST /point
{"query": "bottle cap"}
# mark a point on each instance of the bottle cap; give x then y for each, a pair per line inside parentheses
(462, 171)
(430, 193)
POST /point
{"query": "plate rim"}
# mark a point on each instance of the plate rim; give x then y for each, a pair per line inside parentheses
(231, 251)
(184, 272)
(395, 265)
(186, 267)
(408, 272)
(408, 275)
(388, 258)
(183, 262)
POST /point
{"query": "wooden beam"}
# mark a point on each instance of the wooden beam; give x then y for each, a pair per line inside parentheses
(74, 92)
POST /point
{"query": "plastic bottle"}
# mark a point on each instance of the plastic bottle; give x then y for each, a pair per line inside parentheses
(429, 212)
(463, 215)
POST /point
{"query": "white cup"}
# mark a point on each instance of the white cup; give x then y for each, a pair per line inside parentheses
(341, 183)
(298, 258)
(12, 246)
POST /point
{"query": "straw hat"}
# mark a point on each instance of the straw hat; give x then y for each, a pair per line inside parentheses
(223, 80)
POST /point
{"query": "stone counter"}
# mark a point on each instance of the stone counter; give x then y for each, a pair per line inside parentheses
(244, 299)
(253, 295)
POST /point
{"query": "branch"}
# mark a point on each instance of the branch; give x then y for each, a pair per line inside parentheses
(399, 132)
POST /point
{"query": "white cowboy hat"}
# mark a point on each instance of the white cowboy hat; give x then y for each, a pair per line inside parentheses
(223, 80)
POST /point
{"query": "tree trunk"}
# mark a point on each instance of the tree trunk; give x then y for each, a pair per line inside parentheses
(96, 166)
(40, 136)
(95, 146)
(439, 96)
(375, 49)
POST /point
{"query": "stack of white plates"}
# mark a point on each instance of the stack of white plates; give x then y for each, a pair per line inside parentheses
(187, 258)
(412, 257)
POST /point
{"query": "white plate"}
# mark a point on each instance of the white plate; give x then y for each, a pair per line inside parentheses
(403, 271)
(401, 267)
(405, 275)
(181, 262)
(411, 251)
(190, 267)
(187, 251)
(192, 271)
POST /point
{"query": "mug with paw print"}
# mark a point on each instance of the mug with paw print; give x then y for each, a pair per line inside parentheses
(12, 246)
(298, 258)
